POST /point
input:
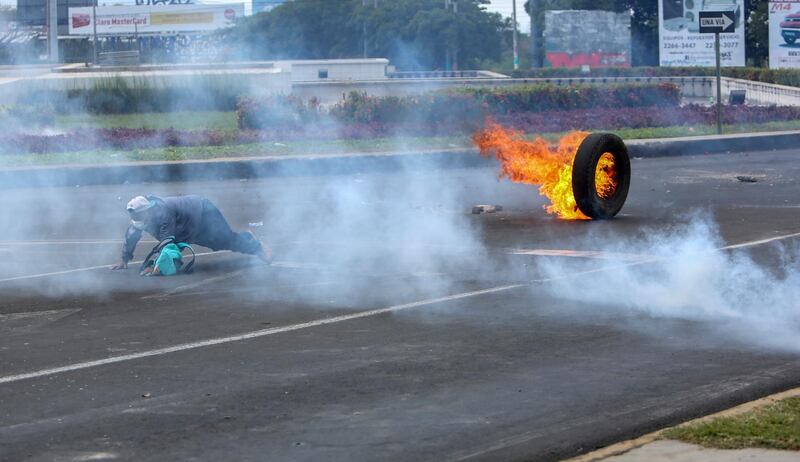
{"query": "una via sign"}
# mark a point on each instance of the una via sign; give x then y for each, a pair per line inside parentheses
(717, 22)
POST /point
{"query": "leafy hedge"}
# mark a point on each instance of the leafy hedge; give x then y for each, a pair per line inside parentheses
(465, 108)
(790, 77)
(538, 98)
(116, 95)
(430, 108)
(276, 111)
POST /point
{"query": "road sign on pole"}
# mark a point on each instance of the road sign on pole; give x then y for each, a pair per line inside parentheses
(718, 22)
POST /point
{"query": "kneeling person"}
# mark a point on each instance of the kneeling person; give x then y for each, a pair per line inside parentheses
(189, 219)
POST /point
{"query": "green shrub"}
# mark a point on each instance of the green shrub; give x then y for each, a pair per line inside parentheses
(117, 95)
(454, 106)
(545, 97)
(276, 112)
(429, 108)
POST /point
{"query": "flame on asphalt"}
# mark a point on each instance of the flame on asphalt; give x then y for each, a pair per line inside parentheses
(536, 162)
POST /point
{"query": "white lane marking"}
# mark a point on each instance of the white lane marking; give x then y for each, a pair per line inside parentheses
(252, 335)
(70, 242)
(633, 258)
(335, 319)
(80, 270)
(258, 289)
(57, 314)
(760, 242)
(579, 254)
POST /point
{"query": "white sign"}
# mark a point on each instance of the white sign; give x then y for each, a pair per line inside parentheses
(682, 44)
(784, 34)
(119, 20)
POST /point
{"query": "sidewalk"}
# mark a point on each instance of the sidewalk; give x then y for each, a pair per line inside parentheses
(652, 448)
(674, 451)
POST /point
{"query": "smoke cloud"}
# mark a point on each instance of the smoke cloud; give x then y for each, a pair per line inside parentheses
(686, 274)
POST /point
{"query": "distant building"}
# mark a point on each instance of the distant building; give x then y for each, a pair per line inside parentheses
(260, 6)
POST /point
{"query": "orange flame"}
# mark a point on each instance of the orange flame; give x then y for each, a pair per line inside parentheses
(537, 162)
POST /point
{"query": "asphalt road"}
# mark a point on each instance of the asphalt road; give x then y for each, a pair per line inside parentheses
(396, 325)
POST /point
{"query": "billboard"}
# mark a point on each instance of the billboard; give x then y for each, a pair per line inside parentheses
(784, 34)
(595, 38)
(121, 20)
(679, 39)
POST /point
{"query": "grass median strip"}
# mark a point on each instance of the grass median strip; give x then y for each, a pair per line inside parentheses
(776, 426)
(181, 120)
(322, 147)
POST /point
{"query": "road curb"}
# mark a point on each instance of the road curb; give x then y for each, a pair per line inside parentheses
(335, 164)
(629, 445)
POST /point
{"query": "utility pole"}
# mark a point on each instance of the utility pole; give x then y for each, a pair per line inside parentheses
(52, 30)
(514, 39)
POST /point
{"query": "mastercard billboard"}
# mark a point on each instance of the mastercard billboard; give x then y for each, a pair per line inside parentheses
(159, 19)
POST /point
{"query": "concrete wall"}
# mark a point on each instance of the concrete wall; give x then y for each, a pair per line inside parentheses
(761, 94)
(340, 70)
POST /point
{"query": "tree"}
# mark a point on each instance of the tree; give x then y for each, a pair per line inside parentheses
(413, 34)
(757, 32)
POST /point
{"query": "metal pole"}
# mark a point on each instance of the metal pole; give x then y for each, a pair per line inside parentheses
(719, 86)
(454, 58)
(364, 30)
(52, 30)
(94, 32)
(514, 20)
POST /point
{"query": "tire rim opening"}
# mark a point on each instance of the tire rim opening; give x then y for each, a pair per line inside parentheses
(606, 179)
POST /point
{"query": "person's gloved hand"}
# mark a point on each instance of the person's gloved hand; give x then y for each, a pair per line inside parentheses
(120, 266)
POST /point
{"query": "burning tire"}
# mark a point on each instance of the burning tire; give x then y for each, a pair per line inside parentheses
(601, 175)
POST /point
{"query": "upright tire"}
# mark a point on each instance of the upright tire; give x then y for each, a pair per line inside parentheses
(613, 178)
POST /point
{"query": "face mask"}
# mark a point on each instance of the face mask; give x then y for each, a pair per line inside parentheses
(140, 225)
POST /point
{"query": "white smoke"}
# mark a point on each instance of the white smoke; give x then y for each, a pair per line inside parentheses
(689, 275)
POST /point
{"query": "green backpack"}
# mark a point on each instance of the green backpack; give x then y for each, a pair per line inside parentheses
(166, 259)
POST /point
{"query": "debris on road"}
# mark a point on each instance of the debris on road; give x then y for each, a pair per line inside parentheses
(478, 209)
(146, 395)
(747, 179)
(256, 224)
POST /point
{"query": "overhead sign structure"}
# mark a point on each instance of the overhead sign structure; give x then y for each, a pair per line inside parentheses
(784, 34)
(159, 19)
(680, 40)
(717, 22)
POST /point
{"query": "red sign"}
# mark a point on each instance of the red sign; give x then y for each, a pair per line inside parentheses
(593, 60)
(80, 20)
